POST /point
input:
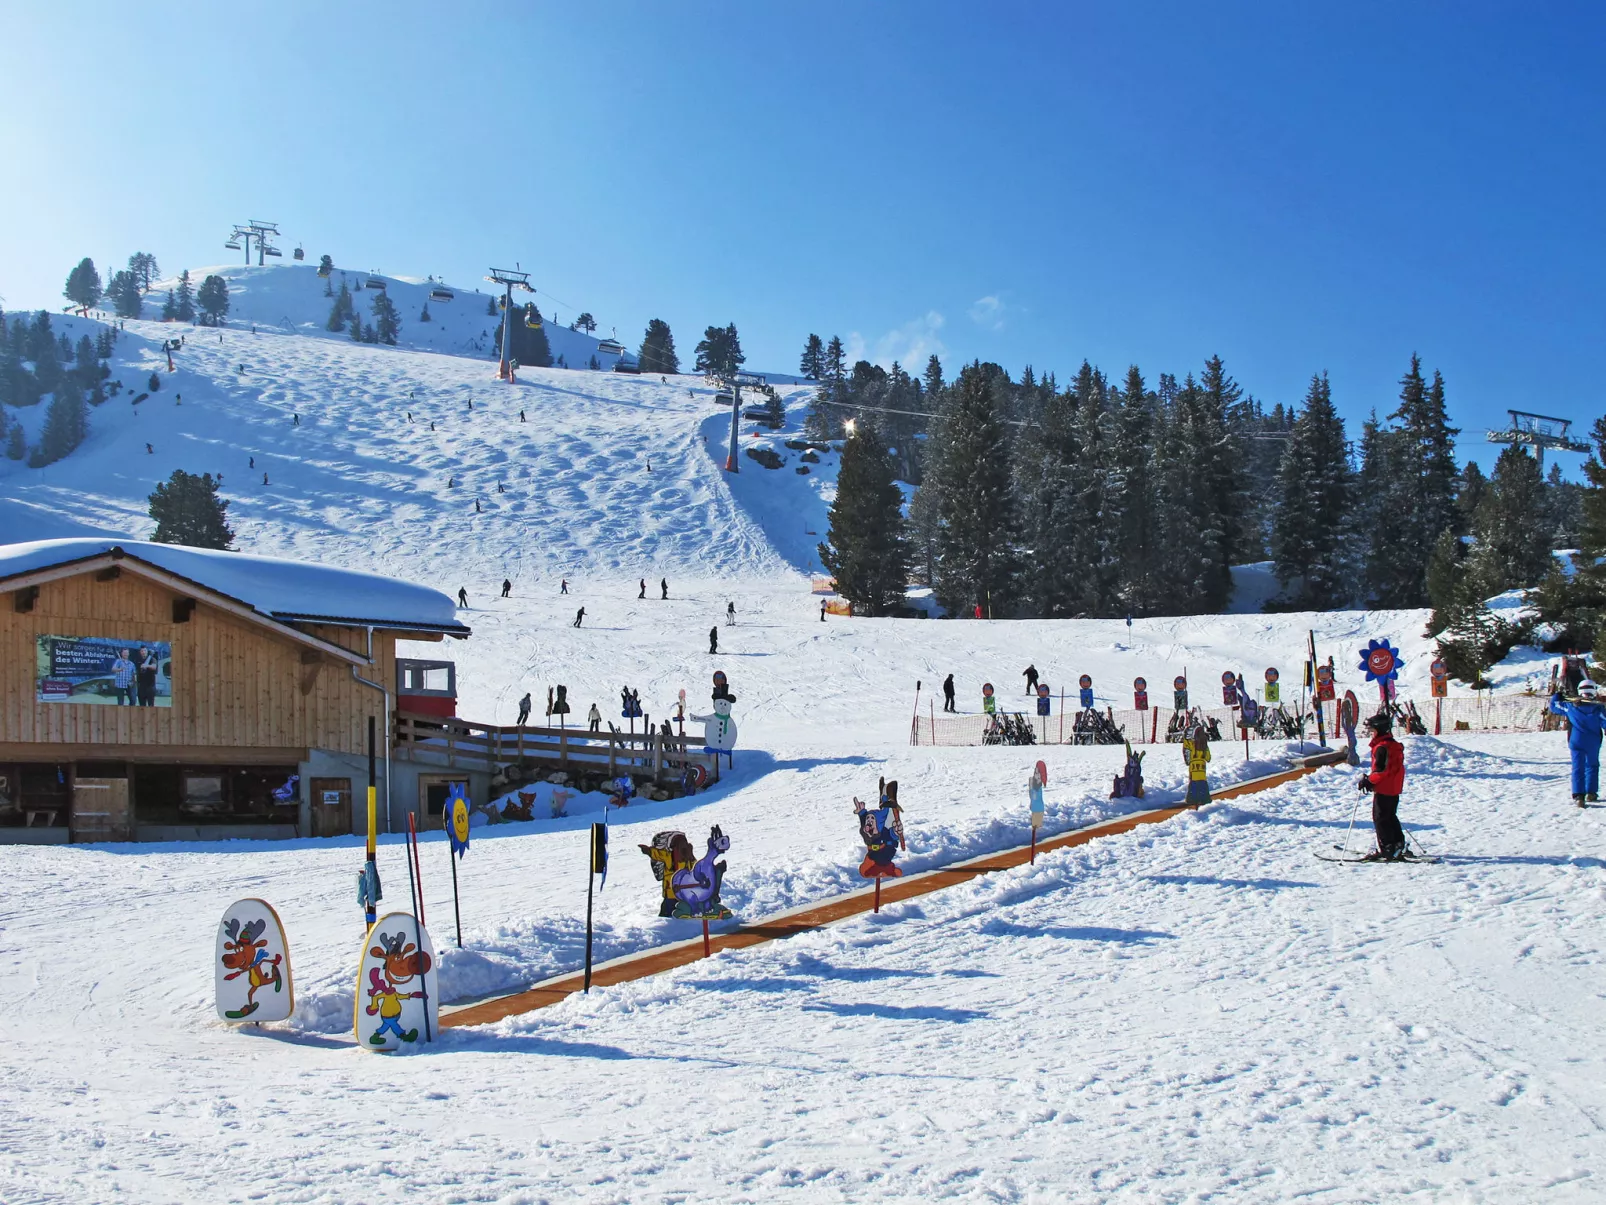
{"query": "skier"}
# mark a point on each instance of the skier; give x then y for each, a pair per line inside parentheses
(264, 478)
(462, 596)
(295, 420)
(730, 613)
(1585, 721)
(1385, 782)
(594, 718)
(563, 586)
(150, 449)
(713, 639)
(507, 587)
(476, 506)
(643, 593)
(1196, 752)
(524, 708)
(822, 610)
(579, 616)
(663, 585)
(521, 416)
(253, 463)
(948, 694)
(1030, 674)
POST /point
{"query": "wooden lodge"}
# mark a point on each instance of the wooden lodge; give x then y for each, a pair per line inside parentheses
(156, 692)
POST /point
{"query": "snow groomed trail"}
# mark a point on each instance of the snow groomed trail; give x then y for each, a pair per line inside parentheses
(804, 919)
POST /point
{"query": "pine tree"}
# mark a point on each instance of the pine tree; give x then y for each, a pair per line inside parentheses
(16, 443)
(169, 308)
(83, 285)
(17, 385)
(813, 355)
(387, 322)
(423, 314)
(586, 322)
(976, 539)
(719, 354)
(1313, 495)
(1563, 508)
(490, 307)
(932, 379)
(1092, 545)
(188, 511)
(826, 414)
(47, 368)
(865, 548)
(213, 298)
(355, 328)
(1228, 492)
(1133, 504)
(184, 299)
(342, 312)
(1380, 523)
(66, 423)
(124, 293)
(1188, 530)
(1424, 491)
(657, 352)
(1044, 484)
(1513, 547)
(142, 267)
(1469, 490)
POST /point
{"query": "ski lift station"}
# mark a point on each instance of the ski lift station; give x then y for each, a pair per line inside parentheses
(1538, 431)
(155, 692)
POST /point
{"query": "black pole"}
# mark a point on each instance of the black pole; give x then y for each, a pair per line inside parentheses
(457, 916)
(1315, 680)
(371, 913)
(590, 885)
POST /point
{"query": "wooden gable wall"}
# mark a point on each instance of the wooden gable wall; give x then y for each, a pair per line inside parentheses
(236, 684)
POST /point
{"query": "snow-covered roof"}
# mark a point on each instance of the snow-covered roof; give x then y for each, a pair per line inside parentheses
(283, 590)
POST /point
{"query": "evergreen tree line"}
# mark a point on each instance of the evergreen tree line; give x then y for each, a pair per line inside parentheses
(35, 363)
(207, 306)
(384, 328)
(1107, 498)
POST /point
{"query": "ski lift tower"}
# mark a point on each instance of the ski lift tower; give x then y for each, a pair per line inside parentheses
(1538, 431)
(752, 380)
(509, 279)
(254, 230)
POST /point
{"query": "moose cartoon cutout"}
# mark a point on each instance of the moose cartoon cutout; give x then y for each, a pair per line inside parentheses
(253, 964)
(397, 1001)
(695, 886)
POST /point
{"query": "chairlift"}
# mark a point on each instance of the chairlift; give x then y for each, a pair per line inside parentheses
(232, 245)
(272, 251)
(375, 282)
(439, 294)
(532, 318)
(299, 253)
(724, 399)
(627, 366)
(611, 347)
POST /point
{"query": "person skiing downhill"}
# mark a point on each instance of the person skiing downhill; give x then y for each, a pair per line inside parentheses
(507, 587)
(579, 617)
(713, 639)
(643, 593)
(1030, 674)
(948, 694)
(524, 708)
(1586, 720)
(663, 586)
(462, 596)
(1386, 781)
(730, 613)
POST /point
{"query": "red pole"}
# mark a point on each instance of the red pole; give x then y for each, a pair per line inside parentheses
(412, 841)
(705, 937)
(1438, 716)
(878, 893)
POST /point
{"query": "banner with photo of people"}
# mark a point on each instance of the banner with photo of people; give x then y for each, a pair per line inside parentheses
(104, 669)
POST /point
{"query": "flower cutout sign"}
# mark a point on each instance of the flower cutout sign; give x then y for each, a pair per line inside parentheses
(456, 818)
(1381, 661)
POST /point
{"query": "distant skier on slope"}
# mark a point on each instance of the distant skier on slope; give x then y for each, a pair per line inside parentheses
(1386, 781)
(948, 694)
(1586, 720)
(663, 585)
(643, 593)
(524, 708)
(579, 617)
(462, 596)
(1030, 674)
(730, 613)
(713, 639)
(507, 587)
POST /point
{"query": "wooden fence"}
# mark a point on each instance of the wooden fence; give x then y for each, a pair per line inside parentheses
(458, 743)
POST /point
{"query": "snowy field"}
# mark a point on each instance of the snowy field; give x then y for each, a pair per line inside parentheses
(1197, 1011)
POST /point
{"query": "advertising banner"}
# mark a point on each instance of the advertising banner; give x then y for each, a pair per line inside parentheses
(104, 670)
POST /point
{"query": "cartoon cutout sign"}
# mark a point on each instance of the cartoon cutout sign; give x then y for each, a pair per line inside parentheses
(1179, 693)
(719, 730)
(1324, 683)
(1382, 662)
(1034, 790)
(1229, 688)
(252, 967)
(1085, 690)
(397, 1001)
(670, 852)
(1044, 694)
(1440, 678)
(882, 833)
(988, 703)
(1140, 694)
(454, 817)
(1274, 691)
(696, 887)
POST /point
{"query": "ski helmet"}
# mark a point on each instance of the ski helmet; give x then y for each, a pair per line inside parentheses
(1381, 722)
(1588, 690)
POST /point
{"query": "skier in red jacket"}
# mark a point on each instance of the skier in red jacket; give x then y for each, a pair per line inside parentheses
(1386, 781)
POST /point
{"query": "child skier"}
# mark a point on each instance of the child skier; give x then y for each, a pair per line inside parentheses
(1586, 720)
(1386, 781)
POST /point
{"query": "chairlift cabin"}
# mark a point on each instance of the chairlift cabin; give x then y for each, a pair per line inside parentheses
(723, 399)
(532, 318)
(272, 251)
(611, 347)
(299, 253)
(232, 245)
(374, 282)
(440, 294)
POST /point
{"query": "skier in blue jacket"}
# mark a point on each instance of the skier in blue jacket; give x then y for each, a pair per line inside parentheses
(1586, 721)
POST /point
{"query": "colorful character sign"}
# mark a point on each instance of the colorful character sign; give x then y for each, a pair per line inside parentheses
(1179, 693)
(1196, 753)
(1085, 690)
(397, 1001)
(454, 816)
(719, 730)
(1274, 690)
(1034, 788)
(1349, 715)
(1129, 782)
(1324, 683)
(988, 703)
(1440, 678)
(697, 886)
(722, 688)
(1140, 694)
(253, 964)
(882, 833)
(629, 704)
(1044, 694)
(670, 852)
(1229, 688)
(1248, 712)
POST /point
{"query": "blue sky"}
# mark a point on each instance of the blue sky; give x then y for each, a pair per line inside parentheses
(1294, 187)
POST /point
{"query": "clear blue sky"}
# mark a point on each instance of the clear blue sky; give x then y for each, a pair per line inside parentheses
(1294, 187)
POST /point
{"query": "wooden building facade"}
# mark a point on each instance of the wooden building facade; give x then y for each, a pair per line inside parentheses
(146, 694)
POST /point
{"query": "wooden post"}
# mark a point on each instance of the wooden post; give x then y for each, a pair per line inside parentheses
(1062, 713)
(613, 756)
(705, 937)
(657, 758)
(1154, 726)
(878, 893)
(563, 747)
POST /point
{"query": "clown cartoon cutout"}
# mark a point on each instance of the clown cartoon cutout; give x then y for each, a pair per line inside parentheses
(252, 967)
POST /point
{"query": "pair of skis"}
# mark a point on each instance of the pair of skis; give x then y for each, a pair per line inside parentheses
(1348, 857)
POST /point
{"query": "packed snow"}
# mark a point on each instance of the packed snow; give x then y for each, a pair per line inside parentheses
(1198, 1010)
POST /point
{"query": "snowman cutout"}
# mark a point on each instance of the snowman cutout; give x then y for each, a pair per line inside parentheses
(719, 730)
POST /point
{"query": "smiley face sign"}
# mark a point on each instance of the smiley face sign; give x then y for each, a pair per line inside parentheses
(454, 816)
(1381, 661)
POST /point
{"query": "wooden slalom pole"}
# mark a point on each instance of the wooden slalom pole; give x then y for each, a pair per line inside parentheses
(706, 950)
(877, 907)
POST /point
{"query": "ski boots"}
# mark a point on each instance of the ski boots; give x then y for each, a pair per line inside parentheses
(1593, 797)
(1579, 800)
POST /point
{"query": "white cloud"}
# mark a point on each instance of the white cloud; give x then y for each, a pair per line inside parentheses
(988, 312)
(911, 344)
